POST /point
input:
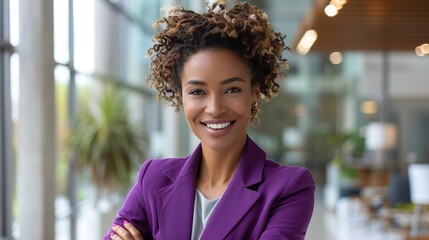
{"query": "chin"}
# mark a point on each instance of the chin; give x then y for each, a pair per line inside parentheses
(222, 144)
(218, 147)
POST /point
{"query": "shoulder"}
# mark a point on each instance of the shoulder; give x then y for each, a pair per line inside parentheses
(288, 178)
(152, 170)
(161, 164)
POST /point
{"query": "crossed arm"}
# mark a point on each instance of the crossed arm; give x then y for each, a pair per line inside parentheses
(128, 232)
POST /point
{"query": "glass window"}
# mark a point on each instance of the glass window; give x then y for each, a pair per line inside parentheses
(14, 22)
(62, 206)
(84, 35)
(145, 11)
(61, 31)
(138, 62)
(80, 86)
(105, 35)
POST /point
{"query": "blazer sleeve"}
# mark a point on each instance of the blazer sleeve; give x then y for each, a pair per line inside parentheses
(134, 209)
(291, 213)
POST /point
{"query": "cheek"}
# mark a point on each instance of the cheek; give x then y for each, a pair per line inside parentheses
(243, 106)
(190, 108)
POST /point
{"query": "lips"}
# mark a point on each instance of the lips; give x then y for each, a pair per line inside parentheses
(218, 126)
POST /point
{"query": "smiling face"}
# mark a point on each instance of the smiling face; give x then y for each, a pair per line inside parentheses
(217, 97)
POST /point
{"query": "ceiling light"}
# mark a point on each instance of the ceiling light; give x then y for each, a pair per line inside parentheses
(333, 7)
(422, 50)
(331, 10)
(336, 5)
(336, 58)
(339, 2)
(306, 41)
(368, 107)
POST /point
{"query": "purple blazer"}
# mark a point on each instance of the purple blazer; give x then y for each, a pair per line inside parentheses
(263, 200)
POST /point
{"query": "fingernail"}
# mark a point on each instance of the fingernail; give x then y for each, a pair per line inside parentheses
(126, 222)
(114, 225)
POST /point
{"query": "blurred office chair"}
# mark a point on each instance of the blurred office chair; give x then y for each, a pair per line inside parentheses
(419, 190)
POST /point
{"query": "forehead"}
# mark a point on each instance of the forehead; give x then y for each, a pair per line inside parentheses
(212, 64)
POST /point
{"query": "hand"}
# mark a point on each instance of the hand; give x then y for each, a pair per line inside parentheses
(128, 232)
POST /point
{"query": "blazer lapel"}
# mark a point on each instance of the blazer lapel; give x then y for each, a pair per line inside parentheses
(228, 212)
(175, 202)
(238, 198)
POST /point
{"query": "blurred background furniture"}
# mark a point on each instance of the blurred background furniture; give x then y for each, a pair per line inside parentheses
(419, 190)
(381, 137)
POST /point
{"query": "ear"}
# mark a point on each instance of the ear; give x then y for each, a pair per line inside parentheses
(256, 92)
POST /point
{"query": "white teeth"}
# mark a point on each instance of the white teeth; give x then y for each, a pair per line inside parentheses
(218, 125)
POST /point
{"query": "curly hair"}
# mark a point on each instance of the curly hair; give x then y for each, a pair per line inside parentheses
(244, 29)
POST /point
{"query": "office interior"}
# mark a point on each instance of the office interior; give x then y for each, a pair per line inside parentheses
(353, 109)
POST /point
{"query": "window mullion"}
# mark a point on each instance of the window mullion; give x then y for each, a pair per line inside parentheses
(6, 170)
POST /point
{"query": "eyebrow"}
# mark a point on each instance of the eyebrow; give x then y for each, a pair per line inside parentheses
(226, 81)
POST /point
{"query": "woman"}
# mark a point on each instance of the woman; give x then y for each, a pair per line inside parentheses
(217, 66)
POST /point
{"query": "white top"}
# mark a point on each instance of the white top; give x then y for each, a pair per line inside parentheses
(203, 208)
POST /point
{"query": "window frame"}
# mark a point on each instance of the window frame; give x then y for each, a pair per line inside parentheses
(6, 124)
(121, 81)
(6, 150)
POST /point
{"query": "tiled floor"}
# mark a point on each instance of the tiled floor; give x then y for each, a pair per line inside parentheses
(325, 225)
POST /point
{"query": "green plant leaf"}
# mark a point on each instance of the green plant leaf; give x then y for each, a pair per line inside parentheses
(106, 141)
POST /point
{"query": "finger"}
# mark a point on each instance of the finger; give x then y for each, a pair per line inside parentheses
(133, 230)
(115, 236)
(122, 233)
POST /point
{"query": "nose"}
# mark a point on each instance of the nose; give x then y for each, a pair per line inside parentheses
(215, 106)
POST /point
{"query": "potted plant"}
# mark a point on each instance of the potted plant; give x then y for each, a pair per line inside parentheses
(341, 179)
(337, 141)
(108, 146)
(106, 141)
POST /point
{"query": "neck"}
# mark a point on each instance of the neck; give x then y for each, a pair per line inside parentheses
(218, 168)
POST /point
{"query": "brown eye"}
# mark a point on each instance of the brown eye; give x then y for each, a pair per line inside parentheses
(233, 90)
(196, 92)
